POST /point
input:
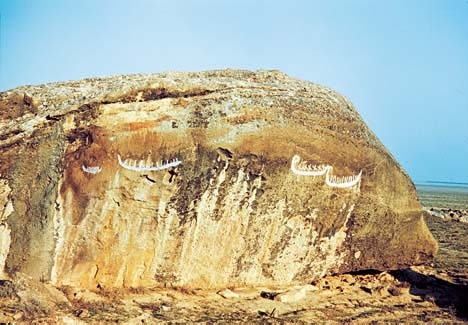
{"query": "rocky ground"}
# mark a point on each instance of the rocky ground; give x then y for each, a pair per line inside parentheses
(450, 214)
(435, 293)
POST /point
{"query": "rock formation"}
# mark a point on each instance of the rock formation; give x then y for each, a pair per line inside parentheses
(187, 179)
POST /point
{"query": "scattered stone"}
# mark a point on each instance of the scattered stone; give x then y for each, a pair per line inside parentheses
(385, 277)
(268, 295)
(380, 290)
(262, 313)
(228, 294)
(165, 308)
(385, 297)
(292, 295)
(399, 290)
(329, 283)
(248, 293)
(348, 278)
(83, 313)
(67, 319)
(7, 289)
(449, 214)
(18, 316)
(308, 287)
(87, 296)
(274, 313)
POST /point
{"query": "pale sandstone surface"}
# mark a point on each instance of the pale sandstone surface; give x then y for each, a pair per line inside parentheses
(231, 213)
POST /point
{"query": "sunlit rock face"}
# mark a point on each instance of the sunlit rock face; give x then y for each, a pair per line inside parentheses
(189, 179)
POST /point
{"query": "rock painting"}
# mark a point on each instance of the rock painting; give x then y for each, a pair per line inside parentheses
(299, 167)
(91, 170)
(147, 166)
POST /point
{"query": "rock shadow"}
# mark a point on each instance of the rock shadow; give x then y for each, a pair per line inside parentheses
(450, 295)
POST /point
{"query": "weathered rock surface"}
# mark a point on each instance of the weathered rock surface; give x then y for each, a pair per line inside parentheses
(87, 202)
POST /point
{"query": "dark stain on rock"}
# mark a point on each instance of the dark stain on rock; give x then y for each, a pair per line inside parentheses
(84, 135)
(224, 153)
(34, 190)
(16, 105)
(148, 94)
(193, 181)
(9, 134)
(198, 119)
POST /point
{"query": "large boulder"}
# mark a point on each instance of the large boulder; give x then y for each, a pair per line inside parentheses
(198, 179)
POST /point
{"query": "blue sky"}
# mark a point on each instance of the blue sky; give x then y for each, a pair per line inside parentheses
(403, 63)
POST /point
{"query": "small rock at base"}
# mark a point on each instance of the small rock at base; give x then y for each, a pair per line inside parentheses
(228, 294)
(18, 315)
(165, 308)
(83, 313)
(292, 295)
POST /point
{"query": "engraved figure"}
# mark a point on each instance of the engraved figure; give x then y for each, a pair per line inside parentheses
(143, 166)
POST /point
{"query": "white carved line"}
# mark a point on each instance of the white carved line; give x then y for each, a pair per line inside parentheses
(301, 168)
(342, 182)
(91, 170)
(143, 166)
